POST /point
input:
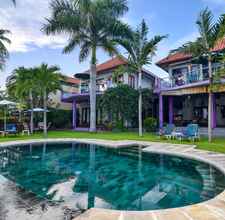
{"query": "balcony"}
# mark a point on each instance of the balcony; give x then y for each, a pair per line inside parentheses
(100, 87)
(196, 76)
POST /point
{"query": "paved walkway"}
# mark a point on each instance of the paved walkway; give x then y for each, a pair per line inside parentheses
(213, 209)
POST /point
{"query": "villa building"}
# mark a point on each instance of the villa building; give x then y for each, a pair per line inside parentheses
(183, 97)
(68, 85)
(80, 100)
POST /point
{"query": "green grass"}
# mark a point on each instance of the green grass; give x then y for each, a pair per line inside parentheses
(217, 145)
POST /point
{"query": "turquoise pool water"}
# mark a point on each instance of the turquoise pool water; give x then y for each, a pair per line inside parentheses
(92, 176)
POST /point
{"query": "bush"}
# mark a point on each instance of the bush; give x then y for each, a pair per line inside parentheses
(119, 126)
(150, 124)
(60, 119)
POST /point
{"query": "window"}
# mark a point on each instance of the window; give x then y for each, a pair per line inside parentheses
(131, 81)
(179, 76)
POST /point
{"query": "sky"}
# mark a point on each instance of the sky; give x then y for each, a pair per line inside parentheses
(30, 47)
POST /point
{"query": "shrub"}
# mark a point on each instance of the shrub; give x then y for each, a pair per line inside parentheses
(60, 119)
(150, 124)
(118, 126)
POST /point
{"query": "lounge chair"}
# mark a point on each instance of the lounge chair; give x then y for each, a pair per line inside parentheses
(167, 131)
(26, 129)
(41, 125)
(191, 132)
(11, 129)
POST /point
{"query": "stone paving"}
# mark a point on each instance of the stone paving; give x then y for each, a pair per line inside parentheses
(213, 209)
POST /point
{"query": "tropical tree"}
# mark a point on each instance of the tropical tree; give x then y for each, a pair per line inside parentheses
(90, 24)
(117, 102)
(22, 86)
(210, 33)
(140, 52)
(4, 54)
(48, 80)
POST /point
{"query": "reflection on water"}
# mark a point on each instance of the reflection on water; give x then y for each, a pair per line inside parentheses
(88, 176)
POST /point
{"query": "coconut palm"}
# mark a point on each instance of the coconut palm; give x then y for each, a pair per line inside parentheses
(90, 24)
(4, 54)
(48, 78)
(140, 52)
(210, 33)
(22, 86)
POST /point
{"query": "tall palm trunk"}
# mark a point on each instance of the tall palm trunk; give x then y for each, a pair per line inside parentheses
(140, 103)
(32, 112)
(45, 113)
(93, 91)
(210, 100)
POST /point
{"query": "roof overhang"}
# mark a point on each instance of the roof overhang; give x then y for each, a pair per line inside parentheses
(82, 76)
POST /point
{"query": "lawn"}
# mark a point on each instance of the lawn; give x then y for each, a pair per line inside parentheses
(217, 145)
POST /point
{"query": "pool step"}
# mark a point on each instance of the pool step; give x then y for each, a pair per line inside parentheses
(208, 190)
(130, 151)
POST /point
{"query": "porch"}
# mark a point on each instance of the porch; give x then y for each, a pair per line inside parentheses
(182, 109)
(81, 110)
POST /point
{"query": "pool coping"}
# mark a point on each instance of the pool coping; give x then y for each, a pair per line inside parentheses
(213, 209)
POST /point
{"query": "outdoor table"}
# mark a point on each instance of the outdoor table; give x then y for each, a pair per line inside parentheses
(176, 135)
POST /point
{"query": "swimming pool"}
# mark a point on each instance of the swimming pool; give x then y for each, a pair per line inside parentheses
(124, 179)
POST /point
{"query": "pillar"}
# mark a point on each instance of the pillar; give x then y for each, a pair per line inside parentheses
(213, 111)
(160, 111)
(74, 107)
(170, 110)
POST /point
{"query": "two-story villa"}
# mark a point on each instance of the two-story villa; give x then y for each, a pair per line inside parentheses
(183, 97)
(80, 100)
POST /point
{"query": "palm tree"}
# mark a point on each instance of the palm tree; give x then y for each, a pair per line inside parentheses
(210, 33)
(140, 52)
(48, 78)
(4, 54)
(22, 85)
(90, 24)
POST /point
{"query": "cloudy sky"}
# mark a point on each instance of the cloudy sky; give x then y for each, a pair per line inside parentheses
(31, 47)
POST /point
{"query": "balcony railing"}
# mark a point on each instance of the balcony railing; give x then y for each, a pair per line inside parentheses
(197, 75)
(100, 87)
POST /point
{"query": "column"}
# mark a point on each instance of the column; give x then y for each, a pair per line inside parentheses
(200, 72)
(160, 111)
(74, 107)
(170, 110)
(213, 111)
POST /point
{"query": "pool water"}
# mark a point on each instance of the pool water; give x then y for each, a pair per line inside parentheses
(93, 176)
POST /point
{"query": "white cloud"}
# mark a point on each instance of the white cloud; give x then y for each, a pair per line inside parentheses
(25, 21)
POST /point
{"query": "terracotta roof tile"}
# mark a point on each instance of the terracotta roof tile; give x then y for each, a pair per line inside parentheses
(71, 80)
(179, 56)
(111, 64)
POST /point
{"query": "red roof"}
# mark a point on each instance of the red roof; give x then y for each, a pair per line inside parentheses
(179, 56)
(111, 64)
(174, 58)
(114, 63)
(71, 80)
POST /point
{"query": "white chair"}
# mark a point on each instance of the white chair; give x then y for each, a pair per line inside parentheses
(26, 129)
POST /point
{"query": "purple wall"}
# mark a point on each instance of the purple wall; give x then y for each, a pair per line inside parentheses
(160, 111)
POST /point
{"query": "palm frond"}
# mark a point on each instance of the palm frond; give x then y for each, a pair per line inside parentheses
(14, 2)
(144, 30)
(149, 49)
(205, 26)
(84, 52)
(73, 42)
(218, 31)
